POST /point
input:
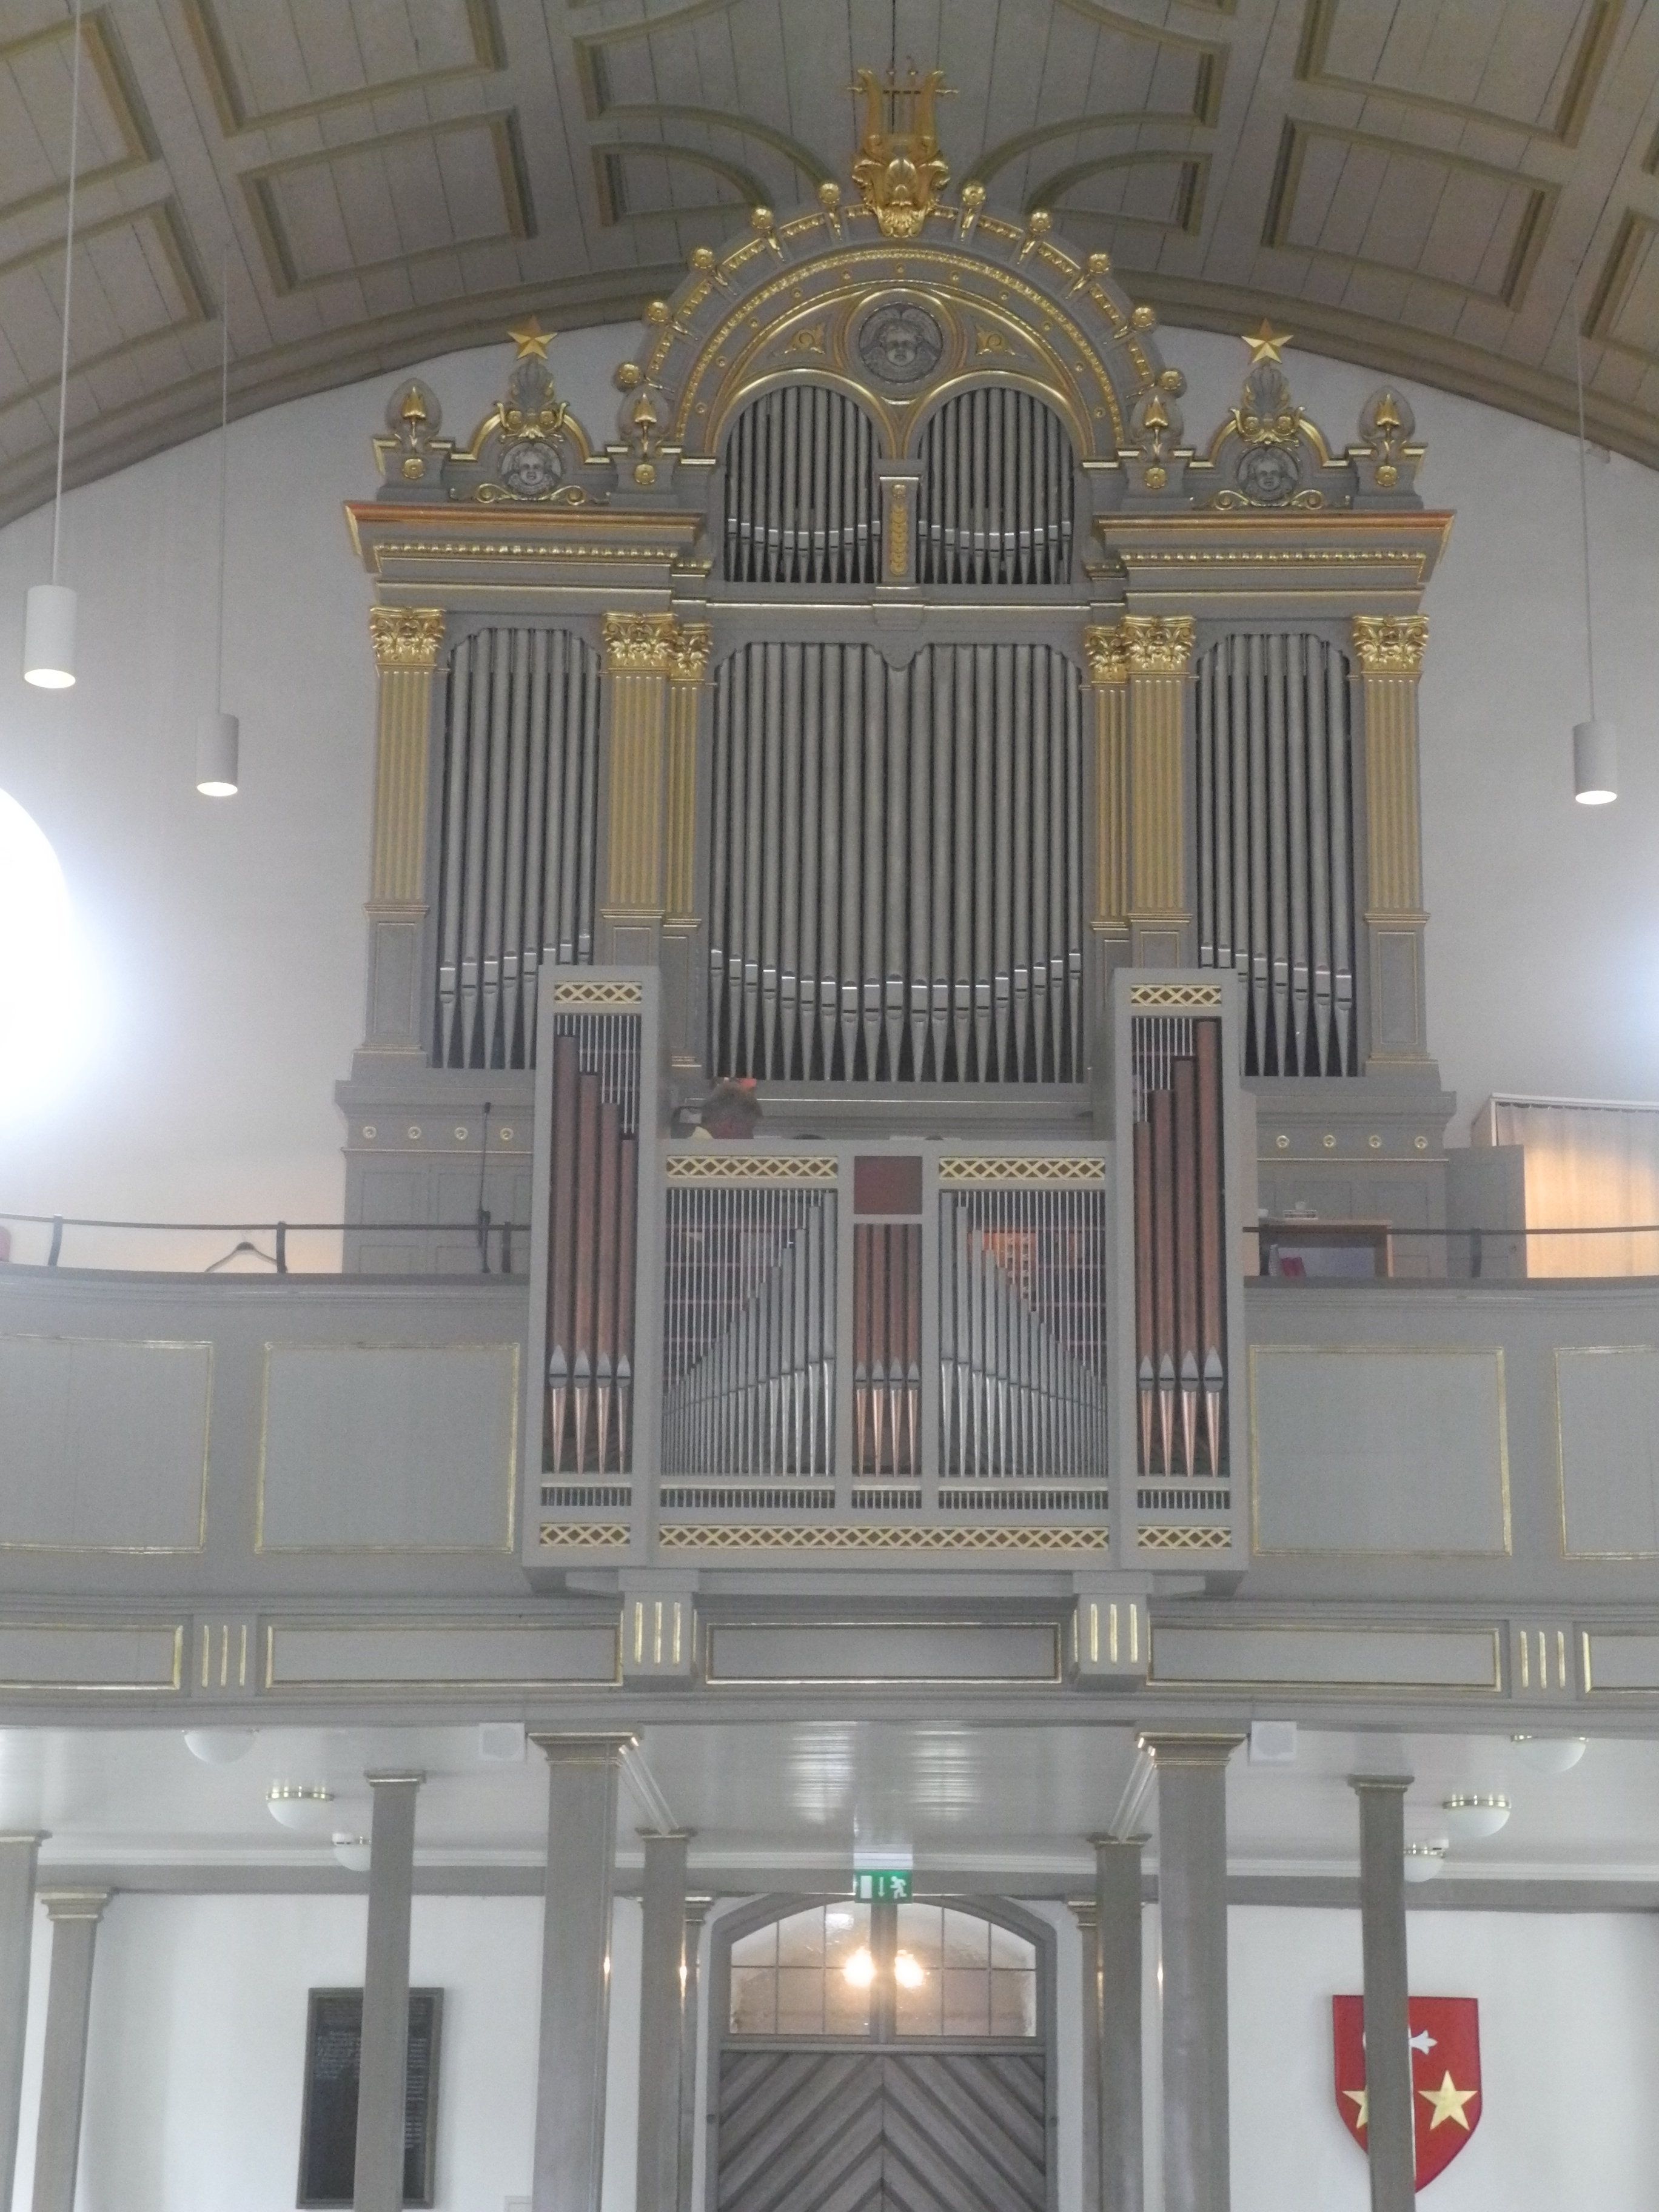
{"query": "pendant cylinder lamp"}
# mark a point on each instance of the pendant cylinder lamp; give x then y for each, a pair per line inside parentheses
(1596, 763)
(49, 611)
(49, 637)
(218, 743)
(1595, 742)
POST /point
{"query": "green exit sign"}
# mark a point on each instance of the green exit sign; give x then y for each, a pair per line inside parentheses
(882, 1884)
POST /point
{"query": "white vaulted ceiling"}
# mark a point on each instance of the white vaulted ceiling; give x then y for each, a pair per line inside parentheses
(1443, 189)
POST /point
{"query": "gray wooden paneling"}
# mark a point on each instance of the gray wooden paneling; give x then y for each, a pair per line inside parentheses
(815, 1651)
(393, 1448)
(1379, 1450)
(53, 1655)
(1606, 1402)
(103, 1445)
(1300, 1654)
(833, 2131)
(437, 1654)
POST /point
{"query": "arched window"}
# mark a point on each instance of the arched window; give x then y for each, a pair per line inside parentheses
(800, 491)
(997, 491)
(942, 1972)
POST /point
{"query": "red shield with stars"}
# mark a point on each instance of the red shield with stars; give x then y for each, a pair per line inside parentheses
(1445, 2033)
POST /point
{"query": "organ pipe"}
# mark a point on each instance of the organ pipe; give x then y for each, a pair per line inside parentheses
(1180, 1309)
(914, 836)
(800, 505)
(1275, 846)
(1022, 1311)
(749, 1332)
(886, 1348)
(995, 500)
(590, 1273)
(520, 798)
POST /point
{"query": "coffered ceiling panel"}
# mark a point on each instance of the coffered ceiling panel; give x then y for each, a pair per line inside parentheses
(1449, 190)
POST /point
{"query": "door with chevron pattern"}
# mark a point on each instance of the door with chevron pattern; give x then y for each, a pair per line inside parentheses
(883, 2058)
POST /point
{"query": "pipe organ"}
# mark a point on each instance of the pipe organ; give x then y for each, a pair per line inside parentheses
(993, 505)
(900, 716)
(1275, 873)
(801, 501)
(517, 836)
(896, 866)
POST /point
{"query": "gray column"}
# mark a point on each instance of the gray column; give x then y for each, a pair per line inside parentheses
(662, 1961)
(1082, 1911)
(1192, 1896)
(74, 1915)
(697, 1911)
(1117, 1934)
(1389, 2135)
(581, 1849)
(381, 2087)
(18, 1853)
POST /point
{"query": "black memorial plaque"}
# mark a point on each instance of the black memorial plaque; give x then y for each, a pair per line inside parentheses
(328, 2122)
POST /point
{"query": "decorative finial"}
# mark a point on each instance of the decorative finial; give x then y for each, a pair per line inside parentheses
(899, 171)
(531, 340)
(1266, 343)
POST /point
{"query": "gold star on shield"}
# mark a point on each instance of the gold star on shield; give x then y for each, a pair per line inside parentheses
(531, 340)
(1363, 2098)
(1448, 2101)
(1265, 343)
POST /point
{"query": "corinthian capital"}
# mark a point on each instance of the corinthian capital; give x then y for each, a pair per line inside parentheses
(406, 637)
(1390, 645)
(1103, 648)
(687, 660)
(1159, 644)
(636, 645)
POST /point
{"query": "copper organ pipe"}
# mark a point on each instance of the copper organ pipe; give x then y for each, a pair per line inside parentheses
(561, 1283)
(1180, 1307)
(1209, 1236)
(591, 1270)
(1186, 1256)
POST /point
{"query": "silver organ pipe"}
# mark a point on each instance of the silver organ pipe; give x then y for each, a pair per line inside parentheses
(520, 798)
(1021, 1333)
(799, 505)
(749, 1325)
(1275, 837)
(913, 835)
(998, 485)
(1180, 1301)
(589, 1372)
(887, 1348)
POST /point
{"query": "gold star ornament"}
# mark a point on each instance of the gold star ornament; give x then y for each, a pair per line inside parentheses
(1266, 343)
(1363, 2098)
(531, 340)
(1448, 2102)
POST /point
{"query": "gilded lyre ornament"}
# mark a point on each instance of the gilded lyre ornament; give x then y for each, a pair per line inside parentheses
(899, 173)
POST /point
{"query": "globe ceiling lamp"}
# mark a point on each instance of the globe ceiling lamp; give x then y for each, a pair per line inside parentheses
(1425, 1861)
(1473, 1815)
(352, 1853)
(218, 1747)
(302, 1806)
(1551, 1754)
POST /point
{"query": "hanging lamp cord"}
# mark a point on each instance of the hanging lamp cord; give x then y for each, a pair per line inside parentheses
(69, 276)
(224, 465)
(1583, 513)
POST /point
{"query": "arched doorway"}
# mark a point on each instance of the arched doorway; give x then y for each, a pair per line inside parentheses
(888, 2057)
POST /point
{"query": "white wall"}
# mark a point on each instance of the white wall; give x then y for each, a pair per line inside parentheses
(1568, 2055)
(196, 2049)
(228, 939)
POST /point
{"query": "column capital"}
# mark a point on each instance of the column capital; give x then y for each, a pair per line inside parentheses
(1390, 645)
(406, 637)
(75, 1903)
(382, 1777)
(1397, 1783)
(36, 1836)
(688, 656)
(1190, 1747)
(1135, 1842)
(1159, 644)
(639, 645)
(665, 1835)
(1106, 653)
(582, 1750)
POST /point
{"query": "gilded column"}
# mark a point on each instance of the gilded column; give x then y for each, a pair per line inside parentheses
(1389, 651)
(1108, 934)
(639, 651)
(1158, 651)
(406, 642)
(682, 965)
